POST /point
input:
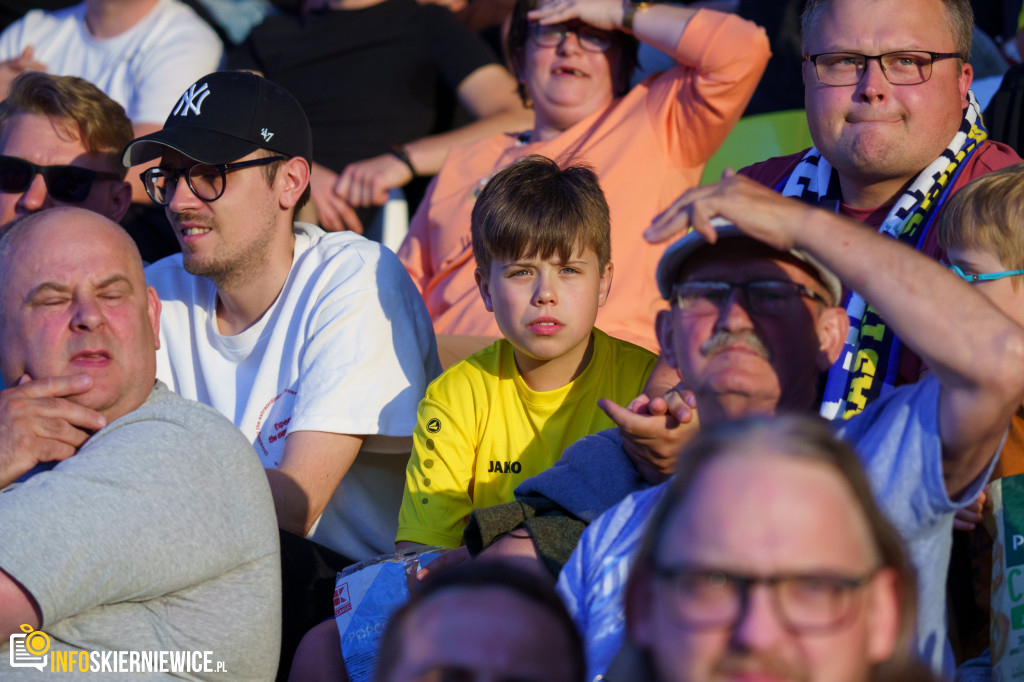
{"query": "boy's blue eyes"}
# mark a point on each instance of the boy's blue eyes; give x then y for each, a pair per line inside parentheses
(524, 271)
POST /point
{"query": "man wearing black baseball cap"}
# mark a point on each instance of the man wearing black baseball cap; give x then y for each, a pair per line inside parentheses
(317, 345)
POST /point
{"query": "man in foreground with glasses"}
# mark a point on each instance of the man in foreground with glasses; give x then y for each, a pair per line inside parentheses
(278, 324)
(767, 554)
(750, 332)
(60, 141)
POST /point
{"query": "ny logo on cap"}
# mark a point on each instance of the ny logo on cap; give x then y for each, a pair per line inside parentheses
(191, 100)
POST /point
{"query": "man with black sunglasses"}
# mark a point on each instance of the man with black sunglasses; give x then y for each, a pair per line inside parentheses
(316, 345)
(60, 142)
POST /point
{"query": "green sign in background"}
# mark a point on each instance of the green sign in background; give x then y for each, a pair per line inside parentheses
(1013, 519)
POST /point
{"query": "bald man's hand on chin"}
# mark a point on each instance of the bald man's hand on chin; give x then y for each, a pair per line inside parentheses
(38, 423)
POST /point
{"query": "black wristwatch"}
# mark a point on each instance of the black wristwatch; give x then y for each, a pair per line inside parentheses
(629, 11)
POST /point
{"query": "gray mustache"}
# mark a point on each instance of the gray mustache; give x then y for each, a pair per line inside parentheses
(722, 339)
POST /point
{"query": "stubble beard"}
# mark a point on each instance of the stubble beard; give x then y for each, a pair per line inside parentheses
(234, 265)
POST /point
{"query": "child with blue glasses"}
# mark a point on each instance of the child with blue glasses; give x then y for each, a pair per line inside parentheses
(980, 231)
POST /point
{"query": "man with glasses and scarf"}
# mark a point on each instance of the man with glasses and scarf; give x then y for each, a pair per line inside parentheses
(316, 345)
(896, 132)
(60, 142)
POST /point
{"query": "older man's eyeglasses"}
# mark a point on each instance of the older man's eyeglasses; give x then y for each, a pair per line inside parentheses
(909, 67)
(206, 180)
(70, 184)
(553, 35)
(765, 297)
(702, 598)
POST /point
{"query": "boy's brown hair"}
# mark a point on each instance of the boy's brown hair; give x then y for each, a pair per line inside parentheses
(987, 214)
(535, 207)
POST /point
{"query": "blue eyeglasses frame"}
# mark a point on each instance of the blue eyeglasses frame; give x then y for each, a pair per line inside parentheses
(985, 276)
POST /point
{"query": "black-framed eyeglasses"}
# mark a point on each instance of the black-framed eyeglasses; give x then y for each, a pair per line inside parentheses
(764, 296)
(706, 598)
(70, 184)
(206, 180)
(552, 35)
(907, 67)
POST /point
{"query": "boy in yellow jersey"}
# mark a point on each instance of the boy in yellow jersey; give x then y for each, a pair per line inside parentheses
(543, 252)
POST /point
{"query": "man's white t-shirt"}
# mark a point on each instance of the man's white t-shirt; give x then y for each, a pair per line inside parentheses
(346, 348)
(144, 69)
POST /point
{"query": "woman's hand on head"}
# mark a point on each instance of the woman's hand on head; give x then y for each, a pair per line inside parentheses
(603, 14)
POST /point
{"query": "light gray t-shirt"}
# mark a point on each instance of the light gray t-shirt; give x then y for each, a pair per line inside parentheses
(158, 535)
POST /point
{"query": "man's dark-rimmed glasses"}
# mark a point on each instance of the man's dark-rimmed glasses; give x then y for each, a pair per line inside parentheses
(765, 297)
(705, 598)
(907, 67)
(206, 180)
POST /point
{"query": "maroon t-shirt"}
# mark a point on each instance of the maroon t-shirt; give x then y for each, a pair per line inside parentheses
(989, 157)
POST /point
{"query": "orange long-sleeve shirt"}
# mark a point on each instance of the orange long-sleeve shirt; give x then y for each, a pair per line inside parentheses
(647, 148)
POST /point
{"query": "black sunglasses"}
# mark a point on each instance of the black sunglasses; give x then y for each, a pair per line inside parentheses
(70, 184)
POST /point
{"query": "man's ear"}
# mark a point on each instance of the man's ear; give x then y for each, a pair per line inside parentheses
(120, 201)
(605, 285)
(964, 81)
(664, 329)
(832, 327)
(883, 613)
(294, 174)
(485, 289)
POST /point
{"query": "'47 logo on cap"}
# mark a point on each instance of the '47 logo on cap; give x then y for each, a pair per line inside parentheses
(191, 100)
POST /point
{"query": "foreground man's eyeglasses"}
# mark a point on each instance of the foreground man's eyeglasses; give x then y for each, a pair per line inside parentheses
(706, 598)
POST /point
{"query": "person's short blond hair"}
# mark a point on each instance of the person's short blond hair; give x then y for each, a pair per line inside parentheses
(987, 214)
(99, 122)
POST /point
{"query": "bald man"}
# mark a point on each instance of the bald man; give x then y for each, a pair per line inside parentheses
(143, 521)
